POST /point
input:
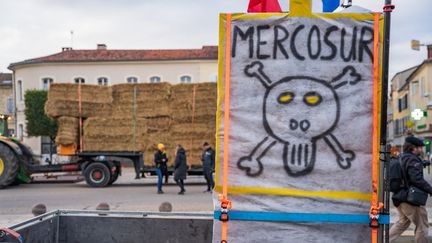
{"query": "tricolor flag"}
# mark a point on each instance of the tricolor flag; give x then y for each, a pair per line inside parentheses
(263, 6)
(330, 5)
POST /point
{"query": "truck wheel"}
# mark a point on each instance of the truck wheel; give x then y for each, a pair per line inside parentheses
(9, 166)
(97, 174)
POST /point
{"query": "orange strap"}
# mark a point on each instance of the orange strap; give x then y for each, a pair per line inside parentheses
(224, 197)
(193, 120)
(80, 117)
(375, 205)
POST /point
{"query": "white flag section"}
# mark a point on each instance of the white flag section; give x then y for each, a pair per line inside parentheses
(300, 131)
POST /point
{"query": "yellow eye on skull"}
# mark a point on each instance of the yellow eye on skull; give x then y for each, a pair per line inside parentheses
(312, 98)
(285, 98)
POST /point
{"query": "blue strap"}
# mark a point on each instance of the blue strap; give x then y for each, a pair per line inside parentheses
(303, 217)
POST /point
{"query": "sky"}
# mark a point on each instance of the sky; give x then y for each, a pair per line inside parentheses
(34, 28)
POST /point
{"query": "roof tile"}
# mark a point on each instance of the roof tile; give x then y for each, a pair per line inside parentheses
(205, 53)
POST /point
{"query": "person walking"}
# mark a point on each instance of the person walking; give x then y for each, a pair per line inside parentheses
(180, 168)
(160, 160)
(412, 164)
(208, 160)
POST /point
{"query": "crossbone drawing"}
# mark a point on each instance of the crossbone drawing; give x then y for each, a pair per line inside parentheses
(298, 111)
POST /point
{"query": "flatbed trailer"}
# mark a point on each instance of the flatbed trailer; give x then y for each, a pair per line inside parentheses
(99, 168)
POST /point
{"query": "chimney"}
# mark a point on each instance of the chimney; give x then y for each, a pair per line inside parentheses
(429, 50)
(101, 47)
(66, 49)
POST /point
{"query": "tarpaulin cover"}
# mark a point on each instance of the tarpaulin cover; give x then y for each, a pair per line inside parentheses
(301, 116)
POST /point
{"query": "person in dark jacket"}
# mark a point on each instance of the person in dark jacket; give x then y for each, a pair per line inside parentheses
(180, 168)
(208, 160)
(161, 165)
(413, 166)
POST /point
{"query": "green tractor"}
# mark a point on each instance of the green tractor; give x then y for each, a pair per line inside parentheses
(100, 169)
(15, 160)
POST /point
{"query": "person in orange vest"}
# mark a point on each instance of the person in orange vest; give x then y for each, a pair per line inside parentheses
(161, 165)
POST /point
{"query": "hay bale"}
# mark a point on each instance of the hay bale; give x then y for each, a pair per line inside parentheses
(152, 140)
(192, 137)
(186, 110)
(143, 100)
(63, 100)
(187, 131)
(114, 134)
(158, 124)
(58, 108)
(201, 90)
(148, 108)
(144, 91)
(67, 132)
(89, 92)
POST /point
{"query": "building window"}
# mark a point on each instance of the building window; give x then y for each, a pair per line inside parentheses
(20, 90)
(10, 107)
(20, 132)
(46, 83)
(424, 87)
(403, 103)
(132, 80)
(102, 81)
(414, 88)
(155, 79)
(185, 79)
(79, 80)
(48, 146)
(400, 125)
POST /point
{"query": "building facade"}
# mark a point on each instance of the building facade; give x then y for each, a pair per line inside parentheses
(420, 100)
(411, 91)
(399, 100)
(107, 67)
(7, 108)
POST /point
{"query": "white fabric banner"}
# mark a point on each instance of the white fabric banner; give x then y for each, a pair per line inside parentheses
(300, 135)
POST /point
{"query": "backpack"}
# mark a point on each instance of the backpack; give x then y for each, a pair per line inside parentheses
(397, 176)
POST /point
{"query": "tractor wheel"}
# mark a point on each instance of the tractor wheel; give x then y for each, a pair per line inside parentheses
(9, 166)
(97, 174)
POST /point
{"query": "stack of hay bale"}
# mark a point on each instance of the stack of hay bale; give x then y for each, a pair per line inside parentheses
(194, 117)
(63, 105)
(136, 117)
(67, 132)
(148, 105)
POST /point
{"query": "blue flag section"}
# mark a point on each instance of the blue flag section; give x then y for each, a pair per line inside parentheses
(330, 5)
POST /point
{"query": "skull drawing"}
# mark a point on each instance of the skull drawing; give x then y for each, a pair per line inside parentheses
(297, 111)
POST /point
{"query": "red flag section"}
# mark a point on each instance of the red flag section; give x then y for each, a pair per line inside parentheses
(264, 6)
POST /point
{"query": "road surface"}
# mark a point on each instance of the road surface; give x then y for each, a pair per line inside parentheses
(126, 194)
